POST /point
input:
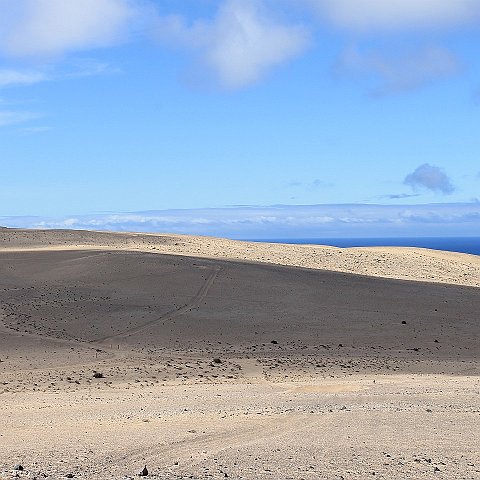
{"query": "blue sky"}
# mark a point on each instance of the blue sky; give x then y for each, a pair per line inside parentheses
(154, 105)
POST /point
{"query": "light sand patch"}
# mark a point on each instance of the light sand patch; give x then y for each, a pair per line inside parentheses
(251, 369)
(319, 388)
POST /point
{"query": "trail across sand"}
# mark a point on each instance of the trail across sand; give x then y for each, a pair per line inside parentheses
(193, 303)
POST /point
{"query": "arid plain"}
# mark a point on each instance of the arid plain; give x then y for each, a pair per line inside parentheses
(209, 358)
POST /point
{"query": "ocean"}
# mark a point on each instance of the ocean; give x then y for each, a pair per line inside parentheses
(452, 244)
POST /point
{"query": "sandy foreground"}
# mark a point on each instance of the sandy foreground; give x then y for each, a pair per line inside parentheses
(188, 355)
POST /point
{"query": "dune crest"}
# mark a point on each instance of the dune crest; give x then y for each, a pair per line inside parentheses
(403, 263)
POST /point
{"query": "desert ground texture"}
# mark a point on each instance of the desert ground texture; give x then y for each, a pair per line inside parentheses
(208, 358)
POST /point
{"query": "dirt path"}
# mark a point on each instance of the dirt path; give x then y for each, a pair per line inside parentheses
(193, 303)
(243, 435)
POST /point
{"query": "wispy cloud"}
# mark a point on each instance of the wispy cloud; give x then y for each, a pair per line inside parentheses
(34, 130)
(313, 185)
(12, 118)
(80, 67)
(282, 221)
(430, 177)
(10, 77)
(86, 67)
(393, 73)
(394, 15)
(398, 196)
(241, 45)
(22, 78)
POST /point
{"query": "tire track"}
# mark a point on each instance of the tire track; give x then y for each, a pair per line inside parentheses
(194, 303)
(191, 451)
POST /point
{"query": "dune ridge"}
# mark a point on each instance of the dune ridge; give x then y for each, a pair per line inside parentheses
(405, 263)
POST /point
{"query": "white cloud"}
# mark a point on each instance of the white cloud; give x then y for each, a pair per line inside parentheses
(14, 77)
(241, 45)
(396, 73)
(365, 15)
(13, 118)
(44, 28)
(246, 44)
(77, 69)
(34, 130)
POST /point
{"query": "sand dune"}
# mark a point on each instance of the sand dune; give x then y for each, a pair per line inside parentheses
(189, 356)
(389, 262)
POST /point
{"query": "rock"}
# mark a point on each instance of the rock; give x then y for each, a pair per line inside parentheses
(69, 475)
(217, 360)
(18, 467)
(274, 342)
(144, 472)
(436, 469)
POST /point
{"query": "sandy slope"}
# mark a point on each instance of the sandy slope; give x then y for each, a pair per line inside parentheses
(216, 368)
(389, 262)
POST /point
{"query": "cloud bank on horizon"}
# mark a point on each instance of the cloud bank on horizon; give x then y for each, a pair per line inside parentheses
(280, 221)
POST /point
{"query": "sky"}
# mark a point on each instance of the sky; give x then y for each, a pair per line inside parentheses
(263, 112)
